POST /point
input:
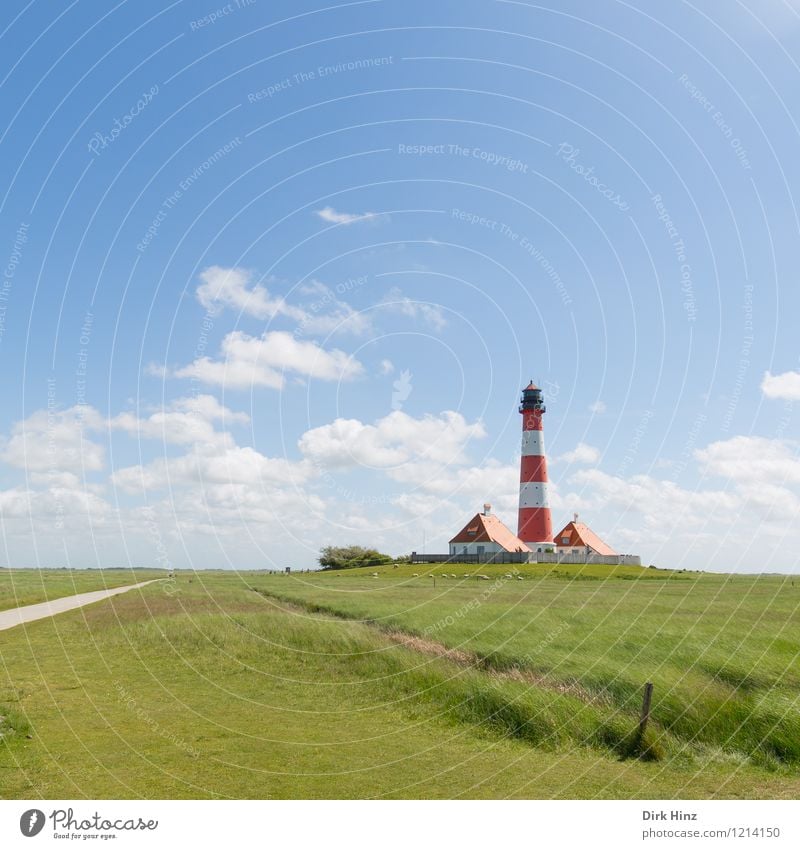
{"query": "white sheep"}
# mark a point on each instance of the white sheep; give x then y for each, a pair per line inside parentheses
(415, 575)
(374, 574)
(519, 577)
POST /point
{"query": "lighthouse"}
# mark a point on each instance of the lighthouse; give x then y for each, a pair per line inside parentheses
(535, 526)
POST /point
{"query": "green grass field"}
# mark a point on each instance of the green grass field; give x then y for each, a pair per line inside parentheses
(218, 688)
(723, 652)
(19, 587)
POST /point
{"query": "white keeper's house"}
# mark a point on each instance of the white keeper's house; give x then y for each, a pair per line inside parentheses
(486, 534)
(578, 538)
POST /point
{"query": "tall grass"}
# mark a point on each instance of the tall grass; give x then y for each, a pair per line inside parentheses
(217, 690)
(723, 654)
(13, 724)
(359, 656)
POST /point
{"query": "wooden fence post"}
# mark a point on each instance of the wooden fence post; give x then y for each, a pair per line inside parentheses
(643, 719)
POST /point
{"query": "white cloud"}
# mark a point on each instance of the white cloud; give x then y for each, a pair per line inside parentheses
(232, 466)
(61, 479)
(418, 505)
(656, 519)
(207, 407)
(349, 442)
(233, 288)
(331, 215)
(750, 459)
(327, 314)
(784, 386)
(247, 361)
(393, 440)
(215, 489)
(661, 503)
(708, 525)
(598, 407)
(386, 366)
(581, 453)
(492, 481)
(228, 492)
(431, 314)
(60, 505)
(16, 503)
(157, 370)
(185, 421)
(342, 319)
(55, 440)
(314, 287)
(256, 508)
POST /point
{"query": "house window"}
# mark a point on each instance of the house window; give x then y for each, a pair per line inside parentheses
(564, 540)
(481, 549)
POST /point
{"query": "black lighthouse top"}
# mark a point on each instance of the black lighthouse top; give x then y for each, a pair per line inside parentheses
(532, 399)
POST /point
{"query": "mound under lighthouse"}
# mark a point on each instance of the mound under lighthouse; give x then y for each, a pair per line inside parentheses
(535, 525)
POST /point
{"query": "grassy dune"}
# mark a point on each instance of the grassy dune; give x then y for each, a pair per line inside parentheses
(220, 691)
(19, 587)
(723, 652)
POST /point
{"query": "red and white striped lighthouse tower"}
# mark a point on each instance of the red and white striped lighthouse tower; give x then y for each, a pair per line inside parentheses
(535, 526)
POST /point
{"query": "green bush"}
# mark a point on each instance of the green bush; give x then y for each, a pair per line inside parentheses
(351, 557)
(12, 724)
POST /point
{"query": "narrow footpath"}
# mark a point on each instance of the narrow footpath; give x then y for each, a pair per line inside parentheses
(32, 612)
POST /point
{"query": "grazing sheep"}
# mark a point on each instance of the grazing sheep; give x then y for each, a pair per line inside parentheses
(415, 575)
(454, 576)
(519, 577)
(508, 575)
(484, 577)
(374, 574)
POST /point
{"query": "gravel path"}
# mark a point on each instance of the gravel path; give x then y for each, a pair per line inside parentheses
(32, 612)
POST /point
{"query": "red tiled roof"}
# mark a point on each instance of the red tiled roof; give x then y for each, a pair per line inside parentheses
(582, 535)
(483, 528)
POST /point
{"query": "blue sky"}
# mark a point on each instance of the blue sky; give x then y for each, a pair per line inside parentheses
(275, 274)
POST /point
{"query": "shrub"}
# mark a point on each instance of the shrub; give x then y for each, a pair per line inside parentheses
(350, 557)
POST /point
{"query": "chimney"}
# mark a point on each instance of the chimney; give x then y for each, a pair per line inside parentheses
(487, 509)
